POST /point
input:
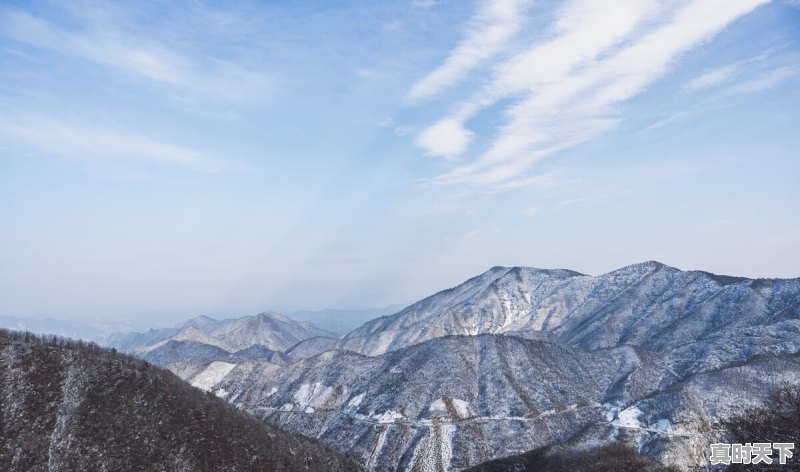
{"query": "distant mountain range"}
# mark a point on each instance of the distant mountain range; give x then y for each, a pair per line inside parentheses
(511, 360)
(89, 330)
(69, 406)
(341, 321)
(269, 330)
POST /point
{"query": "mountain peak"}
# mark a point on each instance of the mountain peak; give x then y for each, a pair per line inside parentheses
(646, 266)
(199, 322)
(520, 269)
(272, 315)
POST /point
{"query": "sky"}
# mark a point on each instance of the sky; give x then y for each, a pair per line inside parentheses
(161, 160)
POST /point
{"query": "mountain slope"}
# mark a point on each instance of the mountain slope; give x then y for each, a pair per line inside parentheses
(69, 406)
(203, 339)
(271, 330)
(694, 315)
(453, 401)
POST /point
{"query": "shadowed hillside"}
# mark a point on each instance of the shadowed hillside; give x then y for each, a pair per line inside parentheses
(613, 456)
(67, 405)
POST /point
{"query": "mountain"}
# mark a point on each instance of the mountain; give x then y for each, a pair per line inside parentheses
(517, 359)
(130, 342)
(311, 347)
(202, 353)
(266, 335)
(453, 401)
(91, 330)
(134, 341)
(68, 406)
(702, 320)
(203, 323)
(271, 330)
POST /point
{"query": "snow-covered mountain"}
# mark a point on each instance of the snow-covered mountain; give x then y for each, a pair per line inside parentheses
(453, 402)
(270, 331)
(443, 404)
(517, 358)
(703, 320)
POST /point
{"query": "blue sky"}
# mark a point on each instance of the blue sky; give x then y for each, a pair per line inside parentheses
(167, 159)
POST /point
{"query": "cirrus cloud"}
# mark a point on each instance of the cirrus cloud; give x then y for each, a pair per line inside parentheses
(566, 89)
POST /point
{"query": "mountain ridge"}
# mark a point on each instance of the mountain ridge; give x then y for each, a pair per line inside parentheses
(517, 358)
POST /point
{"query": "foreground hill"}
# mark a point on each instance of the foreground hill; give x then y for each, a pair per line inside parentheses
(67, 406)
(614, 456)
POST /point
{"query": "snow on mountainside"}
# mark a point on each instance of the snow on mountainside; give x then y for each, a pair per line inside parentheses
(199, 353)
(453, 402)
(134, 340)
(189, 334)
(311, 347)
(480, 396)
(263, 336)
(518, 358)
(271, 330)
(648, 304)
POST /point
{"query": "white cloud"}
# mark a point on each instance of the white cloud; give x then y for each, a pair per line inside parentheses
(495, 23)
(447, 138)
(712, 77)
(142, 57)
(74, 139)
(566, 88)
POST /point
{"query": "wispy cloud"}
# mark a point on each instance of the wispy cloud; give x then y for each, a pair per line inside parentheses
(495, 23)
(85, 141)
(565, 89)
(100, 40)
(712, 77)
(719, 75)
(764, 81)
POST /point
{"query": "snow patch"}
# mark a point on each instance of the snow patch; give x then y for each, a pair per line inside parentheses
(376, 451)
(461, 407)
(628, 418)
(662, 426)
(390, 416)
(212, 375)
(356, 400)
(314, 395)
